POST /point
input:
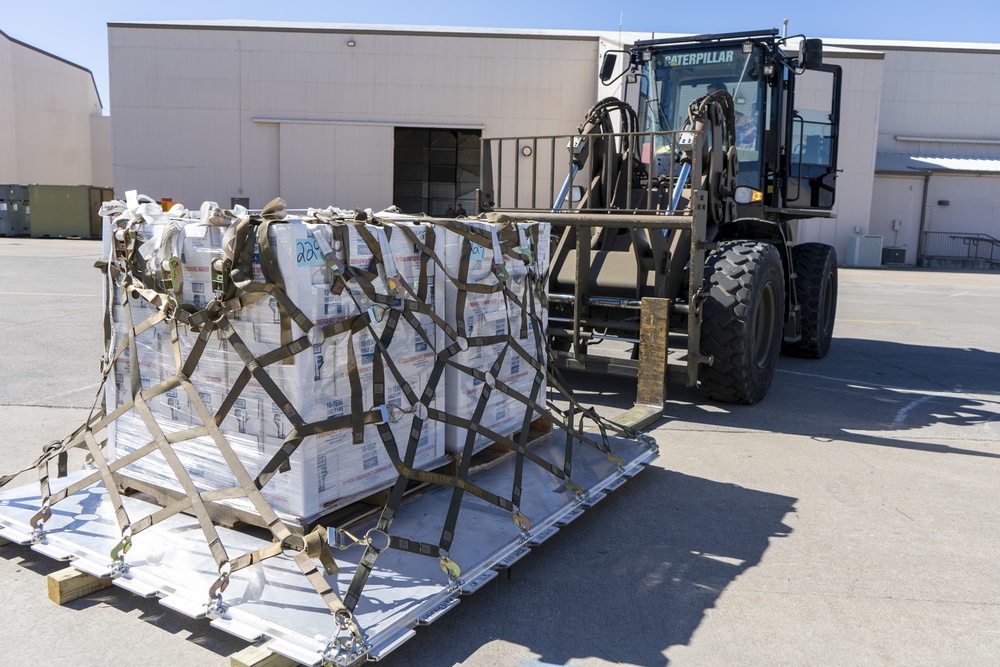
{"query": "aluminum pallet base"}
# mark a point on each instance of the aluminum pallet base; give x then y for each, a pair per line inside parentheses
(272, 599)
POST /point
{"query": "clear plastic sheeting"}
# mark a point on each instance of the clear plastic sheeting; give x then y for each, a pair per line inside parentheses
(326, 467)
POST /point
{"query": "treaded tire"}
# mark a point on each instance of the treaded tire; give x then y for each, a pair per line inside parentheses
(815, 266)
(742, 321)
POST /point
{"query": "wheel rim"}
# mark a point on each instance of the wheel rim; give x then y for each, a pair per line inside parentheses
(829, 303)
(765, 326)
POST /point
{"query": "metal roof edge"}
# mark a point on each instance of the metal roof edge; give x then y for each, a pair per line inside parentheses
(893, 163)
(905, 45)
(60, 59)
(366, 29)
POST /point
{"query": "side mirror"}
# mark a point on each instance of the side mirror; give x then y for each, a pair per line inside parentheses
(811, 53)
(608, 67)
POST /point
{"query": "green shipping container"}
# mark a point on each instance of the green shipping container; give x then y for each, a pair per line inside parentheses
(67, 210)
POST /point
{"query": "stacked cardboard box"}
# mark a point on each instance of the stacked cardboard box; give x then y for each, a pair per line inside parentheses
(320, 382)
(494, 314)
(326, 467)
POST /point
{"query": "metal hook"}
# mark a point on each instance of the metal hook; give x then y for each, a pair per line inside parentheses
(646, 439)
(451, 568)
(341, 649)
(391, 414)
(220, 586)
(341, 539)
(120, 549)
(41, 516)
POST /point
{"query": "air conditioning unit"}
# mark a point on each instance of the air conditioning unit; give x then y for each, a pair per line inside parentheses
(893, 255)
(864, 251)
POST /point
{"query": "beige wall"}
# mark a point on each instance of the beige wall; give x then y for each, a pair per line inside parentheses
(973, 204)
(51, 128)
(897, 202)
(937, 100)
(972, 208)
(859, 117)
(354, 169)
(216, 113)
(941, 93)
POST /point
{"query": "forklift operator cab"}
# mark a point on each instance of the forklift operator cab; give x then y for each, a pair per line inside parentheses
(785, 125)
(671, 81)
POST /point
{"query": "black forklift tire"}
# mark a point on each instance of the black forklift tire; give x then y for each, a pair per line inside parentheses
(742, 321)
(815, 266)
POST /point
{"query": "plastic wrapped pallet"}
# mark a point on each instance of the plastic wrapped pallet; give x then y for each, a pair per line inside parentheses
(494, 314)
(319, 382)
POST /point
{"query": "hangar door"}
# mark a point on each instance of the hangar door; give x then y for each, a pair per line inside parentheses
(436, 171)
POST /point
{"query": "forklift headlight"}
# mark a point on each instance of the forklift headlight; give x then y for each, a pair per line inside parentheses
(745, 195)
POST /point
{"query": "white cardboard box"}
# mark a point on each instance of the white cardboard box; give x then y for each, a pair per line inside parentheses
(326, 467)
(492, 315)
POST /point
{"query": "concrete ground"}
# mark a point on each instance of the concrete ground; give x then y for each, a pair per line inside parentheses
(851, 518)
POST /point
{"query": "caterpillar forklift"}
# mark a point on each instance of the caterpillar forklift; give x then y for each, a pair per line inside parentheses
(675, 210)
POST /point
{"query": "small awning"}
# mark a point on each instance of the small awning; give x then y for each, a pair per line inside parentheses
(903, 163)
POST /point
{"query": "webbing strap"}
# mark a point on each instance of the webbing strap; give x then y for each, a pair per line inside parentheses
(451, 518)
(401, 302)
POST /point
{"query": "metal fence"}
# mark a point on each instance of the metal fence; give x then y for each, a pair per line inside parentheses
(552, 173)
(958, 245)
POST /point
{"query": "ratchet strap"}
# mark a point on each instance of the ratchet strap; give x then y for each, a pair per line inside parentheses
(144, 273)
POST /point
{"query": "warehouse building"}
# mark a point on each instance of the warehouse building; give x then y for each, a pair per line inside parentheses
(371, 116)
(54, 139)
(937, 175)
(52, 129)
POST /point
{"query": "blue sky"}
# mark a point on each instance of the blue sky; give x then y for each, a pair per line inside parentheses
(77, 31)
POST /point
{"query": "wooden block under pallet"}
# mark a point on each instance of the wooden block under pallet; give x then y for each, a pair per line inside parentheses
(69, 584)
(259, 656)
(4, 542)
(541, 425)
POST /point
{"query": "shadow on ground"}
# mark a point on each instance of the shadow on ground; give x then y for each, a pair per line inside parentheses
(871, 392)
(637, 574)
(629, 579)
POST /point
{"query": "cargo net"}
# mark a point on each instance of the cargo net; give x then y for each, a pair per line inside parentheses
(286, 362)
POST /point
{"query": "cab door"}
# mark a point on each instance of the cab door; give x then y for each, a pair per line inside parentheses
(813, 137)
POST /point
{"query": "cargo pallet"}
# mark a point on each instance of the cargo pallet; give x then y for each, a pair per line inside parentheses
(266, 605)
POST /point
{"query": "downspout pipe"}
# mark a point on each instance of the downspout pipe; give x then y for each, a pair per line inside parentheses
(923, 220)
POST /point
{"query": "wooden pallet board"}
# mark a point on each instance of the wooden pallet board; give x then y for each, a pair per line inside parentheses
(259, 656)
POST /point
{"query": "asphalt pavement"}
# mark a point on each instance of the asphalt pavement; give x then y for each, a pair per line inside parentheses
(851, 518)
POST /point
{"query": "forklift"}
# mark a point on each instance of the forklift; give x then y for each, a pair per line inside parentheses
(675, 210)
